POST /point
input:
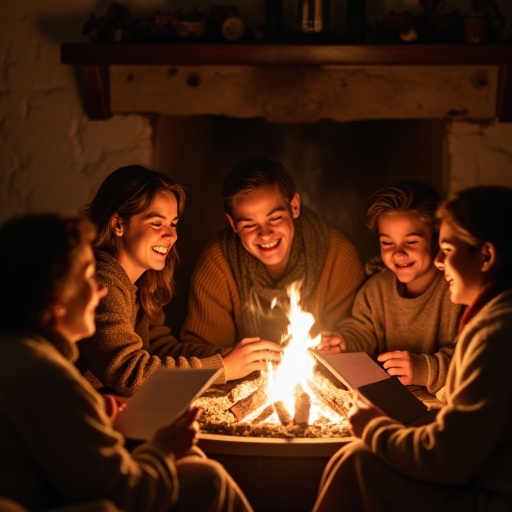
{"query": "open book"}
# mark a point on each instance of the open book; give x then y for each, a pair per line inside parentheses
(164, 396)
(357, 370)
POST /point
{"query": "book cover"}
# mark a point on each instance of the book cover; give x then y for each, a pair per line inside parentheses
(357, 370)
(164, 396)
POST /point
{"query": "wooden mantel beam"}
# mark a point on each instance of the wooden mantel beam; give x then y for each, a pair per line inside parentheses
(97, 60)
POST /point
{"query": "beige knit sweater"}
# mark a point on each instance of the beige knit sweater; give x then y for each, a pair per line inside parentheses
(126, 349)
(427, 326)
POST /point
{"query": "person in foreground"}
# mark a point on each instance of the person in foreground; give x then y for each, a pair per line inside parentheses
(58, 448)
(403, 315)
(240, 286)
(460, 459)
(136, 210)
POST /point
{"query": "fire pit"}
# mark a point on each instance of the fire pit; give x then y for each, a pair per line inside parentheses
(278, 464)
(275, 432)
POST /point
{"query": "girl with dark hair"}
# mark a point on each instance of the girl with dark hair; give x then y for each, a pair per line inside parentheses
(459, 457)
(58, 449)
(137, 210)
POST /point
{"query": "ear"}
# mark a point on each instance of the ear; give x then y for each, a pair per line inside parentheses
(117, 225)
(232, 223)
(295, 205)
(489, 257)
(57, 311)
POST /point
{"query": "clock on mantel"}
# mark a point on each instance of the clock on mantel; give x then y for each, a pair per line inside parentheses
(98, 60)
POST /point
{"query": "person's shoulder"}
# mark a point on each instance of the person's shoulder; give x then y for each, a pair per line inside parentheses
(109, 271)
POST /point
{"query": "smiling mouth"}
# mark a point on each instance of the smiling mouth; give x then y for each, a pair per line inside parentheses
(270, 245)
(160, 249)
(403, 265)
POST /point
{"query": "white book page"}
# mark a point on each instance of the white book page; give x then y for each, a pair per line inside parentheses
(354, 369)
(162, 398)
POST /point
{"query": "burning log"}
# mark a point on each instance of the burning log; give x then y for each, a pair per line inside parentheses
(248, 404)
(282, 413)
(263, 415)
(328, 400)
(302, 406)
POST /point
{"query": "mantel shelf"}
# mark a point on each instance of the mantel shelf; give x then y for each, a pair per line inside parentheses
(284, 54)
(95, 60)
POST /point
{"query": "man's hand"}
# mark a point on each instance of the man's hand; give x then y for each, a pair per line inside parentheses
(361, 413)
(331, 343)
(251, 354)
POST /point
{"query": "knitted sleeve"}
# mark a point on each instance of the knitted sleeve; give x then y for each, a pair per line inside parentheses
(214, 302)
(120, 357)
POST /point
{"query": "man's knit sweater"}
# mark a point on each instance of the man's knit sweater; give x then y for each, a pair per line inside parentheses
(214, 313)
(426, 326)
(126, 349)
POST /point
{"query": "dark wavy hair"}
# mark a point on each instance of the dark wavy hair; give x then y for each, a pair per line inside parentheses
(37, 254)
(254, 174)
(126, 192)
(483, 214)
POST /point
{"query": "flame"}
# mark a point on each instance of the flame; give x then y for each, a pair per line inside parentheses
(297, 364)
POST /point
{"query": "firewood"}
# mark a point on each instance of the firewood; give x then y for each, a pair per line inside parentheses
(248, 404)
(264, 414)
(302, 407)
(283, 415)
(330, 401)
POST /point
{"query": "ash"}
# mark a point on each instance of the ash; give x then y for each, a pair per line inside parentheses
(216, 417)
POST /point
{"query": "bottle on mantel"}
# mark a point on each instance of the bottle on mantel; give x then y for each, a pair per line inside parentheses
(313, 17)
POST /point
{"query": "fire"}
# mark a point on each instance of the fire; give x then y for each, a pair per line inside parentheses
(295, 373)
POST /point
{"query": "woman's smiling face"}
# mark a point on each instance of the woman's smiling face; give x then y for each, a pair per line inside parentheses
(264, 220)
(145, 241)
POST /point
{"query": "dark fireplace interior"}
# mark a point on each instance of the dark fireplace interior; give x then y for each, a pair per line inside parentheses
(336, 165)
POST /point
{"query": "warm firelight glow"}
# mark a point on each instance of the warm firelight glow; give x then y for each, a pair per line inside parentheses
(296, 367)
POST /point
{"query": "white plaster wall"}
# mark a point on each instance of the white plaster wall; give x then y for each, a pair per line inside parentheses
(478, 154)
(51, 155)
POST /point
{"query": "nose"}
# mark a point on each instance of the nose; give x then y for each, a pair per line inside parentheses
(439, 260)
(171, 231)
(265, 230)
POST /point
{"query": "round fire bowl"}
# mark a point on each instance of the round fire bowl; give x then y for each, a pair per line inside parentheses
(275, 474)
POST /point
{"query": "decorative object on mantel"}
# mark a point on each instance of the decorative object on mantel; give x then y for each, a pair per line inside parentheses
(213, 24)
(439, 24)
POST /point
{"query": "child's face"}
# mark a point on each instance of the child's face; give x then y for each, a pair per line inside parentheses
(146, 240)
(264, 221)
(406, 249)
(461, 264)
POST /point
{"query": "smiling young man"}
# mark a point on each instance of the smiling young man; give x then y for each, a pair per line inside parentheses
(239, 287)
(403, 316)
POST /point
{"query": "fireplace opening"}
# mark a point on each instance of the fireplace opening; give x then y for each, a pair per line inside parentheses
(336, 166)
